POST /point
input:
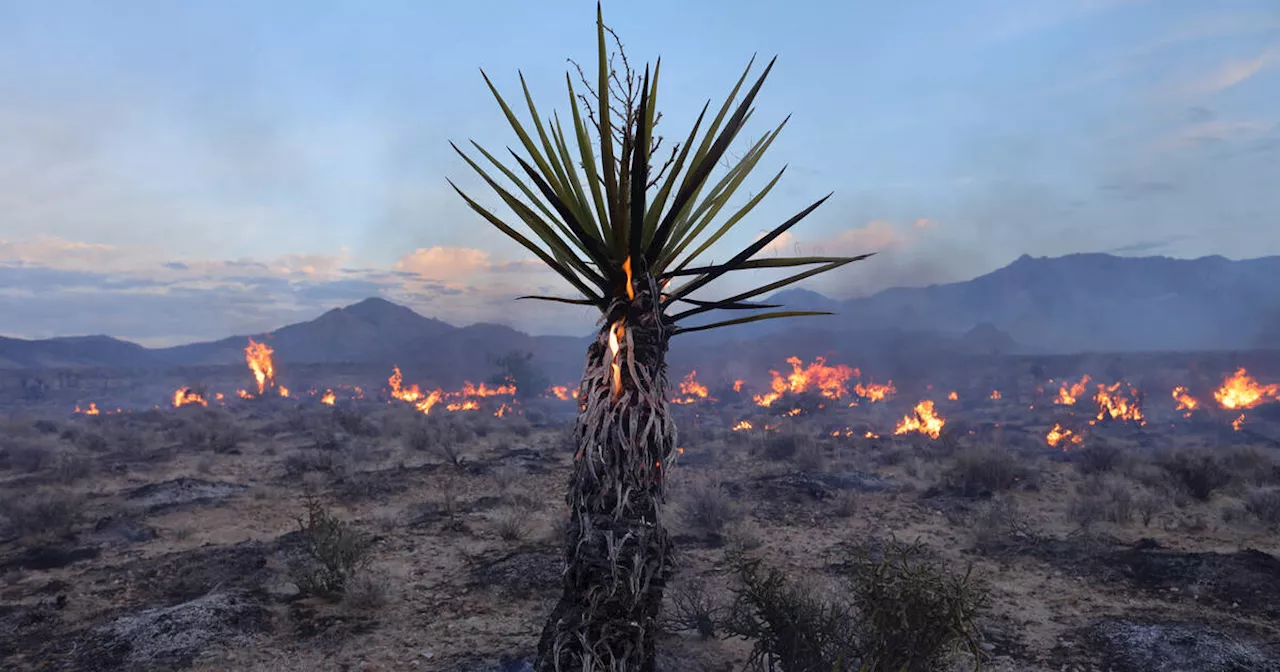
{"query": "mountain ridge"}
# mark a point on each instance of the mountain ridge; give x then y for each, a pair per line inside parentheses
(1073, 303)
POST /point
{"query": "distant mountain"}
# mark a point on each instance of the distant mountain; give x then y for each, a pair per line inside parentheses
(1076, 303)
(1080, 303)
(74, 351)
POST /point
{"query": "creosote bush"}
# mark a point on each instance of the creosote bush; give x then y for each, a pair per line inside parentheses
(904, 611)
(707, 507)
(1198, 474)
(976, 471)
(42, 514)
(335, 551)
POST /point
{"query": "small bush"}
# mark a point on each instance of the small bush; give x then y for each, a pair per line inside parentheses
(977, 471)
(367, 591)
(846, 504)
(1097, 457)
(810, 456)
(300, 462)
(513, 524)
(1000, 528)
(784, 445)
(1264, 505)
(791, 628)
(335, 550)
(914, 609)
(1149, 505)
(708, 508)
(692, 608)
(42, 514)
(1200, 475)
(69, 467)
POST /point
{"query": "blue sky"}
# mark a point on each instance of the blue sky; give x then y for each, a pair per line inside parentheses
(184, 171)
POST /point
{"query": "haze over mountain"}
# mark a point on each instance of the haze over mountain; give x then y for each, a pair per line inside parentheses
(1076, 303)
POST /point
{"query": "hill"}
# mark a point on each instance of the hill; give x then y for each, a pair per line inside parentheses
(1075, 303)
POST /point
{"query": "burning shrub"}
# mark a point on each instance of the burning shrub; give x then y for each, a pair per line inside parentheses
(977, 471)
(707, 507)
(914, 609)
(335, 551)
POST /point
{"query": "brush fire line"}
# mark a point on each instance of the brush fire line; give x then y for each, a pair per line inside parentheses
(1091, 402)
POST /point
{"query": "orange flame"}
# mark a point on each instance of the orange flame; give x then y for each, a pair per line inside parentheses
(830, 381)
(258, 356)
(185, 396)
(244, 394)
(616, 334)
(502, 410)
(1068, 395)
(424, 405)
(92, 410)
(995, 394)
(1240, 390)
(1186, 402)
(1117, 405)
(410, 395)
(1057, 435)
(742, 426)
(874, 392)
(564, 392)
(469, 390)
(737, 385)
(468, 405)
(953, 396)
(284, 391)
(871, 435)
(692, 390)
(329, 398)
(924, 420)
(626, 268)
(1235, 424)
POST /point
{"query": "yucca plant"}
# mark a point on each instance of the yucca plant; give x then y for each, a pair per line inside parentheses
(627, 236)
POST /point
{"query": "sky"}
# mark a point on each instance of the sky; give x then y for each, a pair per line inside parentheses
(178, 172)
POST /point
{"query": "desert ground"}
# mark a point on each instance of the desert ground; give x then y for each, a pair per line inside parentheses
(1131, 529)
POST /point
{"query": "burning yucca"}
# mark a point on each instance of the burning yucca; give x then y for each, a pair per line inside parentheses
(626, 235)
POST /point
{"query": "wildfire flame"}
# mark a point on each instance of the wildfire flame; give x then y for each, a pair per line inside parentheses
(830, 381)
(468, 405)
(995, 394)
(742, 426)
(1186, 402)
(953, 396)
(329, 398)
(1117, 405)
(874, 392)
(616, 334)
(1240, 390)
(469, 390)
(1058, 435)
(185, 396)
(924, 420)
(737, 385)
(410, 395)
(564, 392)
(284, 391)
(691, 390)
(92, 410)
(1068, 395)
(258, 356)
(1235, 424)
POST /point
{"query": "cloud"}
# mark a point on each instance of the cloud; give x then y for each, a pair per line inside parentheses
(1228, 74)
(55, 287)
(876, 236)
(1212, 132)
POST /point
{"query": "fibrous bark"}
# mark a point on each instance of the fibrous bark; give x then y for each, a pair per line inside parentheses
(617, 551)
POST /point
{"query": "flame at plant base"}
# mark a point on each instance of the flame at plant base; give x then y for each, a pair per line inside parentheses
(1186, 402)
(1116, 404)
(1240, 390)
(1068, 395)
(329, 398)
(185, 396)
(92, 410)
(563, 392)
(691, 390)
(258, 357)
(1065, 437)
(923, 420)
(742, 426)
(1238, 422)
(829, 381)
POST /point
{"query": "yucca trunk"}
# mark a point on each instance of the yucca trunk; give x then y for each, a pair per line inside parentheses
(618, 553)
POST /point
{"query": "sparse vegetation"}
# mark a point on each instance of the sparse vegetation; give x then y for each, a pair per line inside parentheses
(335, 551)
(975, 471)
(708, 508)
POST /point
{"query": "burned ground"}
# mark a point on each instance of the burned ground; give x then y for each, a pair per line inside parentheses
(172, 538)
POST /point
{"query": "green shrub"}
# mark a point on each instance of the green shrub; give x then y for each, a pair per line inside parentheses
(335, 551)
